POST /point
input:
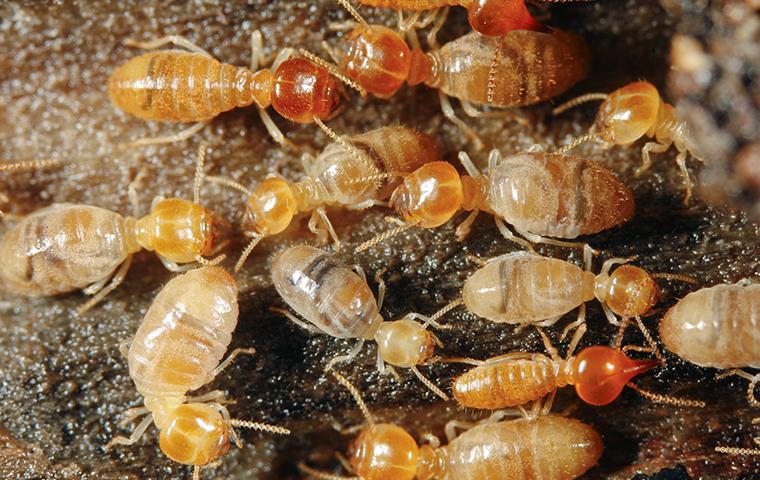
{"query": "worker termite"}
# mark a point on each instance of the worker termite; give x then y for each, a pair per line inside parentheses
(545, 446)
(487, 17)
(192, 86)
(356, 172)
(537, 193)
(632, 112)
(718, 327)
(519, 69)
(66, 247)
(598, 373)
(337, 301)
(178, 348)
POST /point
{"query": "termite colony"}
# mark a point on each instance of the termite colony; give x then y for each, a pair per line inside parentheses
(538, 198)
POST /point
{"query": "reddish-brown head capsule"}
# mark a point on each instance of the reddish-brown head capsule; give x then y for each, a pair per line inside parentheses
(601, 373)
(377, 58)
(494, 18)
(302, 90)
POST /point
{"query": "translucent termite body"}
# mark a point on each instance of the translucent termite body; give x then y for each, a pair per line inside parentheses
(178, 348)
(537, 193)
(66, 247)
(192, 86)
(598, 373)
(337, 301)
(520, 68)
(358, 173)
(634, 111)
(716, 327)
(524, 288)
(544, 447)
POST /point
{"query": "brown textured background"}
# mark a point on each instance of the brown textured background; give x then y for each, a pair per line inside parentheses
(63, 383)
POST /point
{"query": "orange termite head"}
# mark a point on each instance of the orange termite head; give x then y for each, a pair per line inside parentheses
(181, 230)
(384, 451)
(404, 343)
(301, 90)
(628, 114)
(629, 292)
(495, 18)
(194, 434)
(430, 195)
(270, 207)
(601, 373)
(377, 58)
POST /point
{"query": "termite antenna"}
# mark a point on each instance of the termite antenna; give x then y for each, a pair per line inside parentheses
(753, 380)
(228, 183)
(357, 397)
(384, 236)
(258, 426)
(433, 320)
(430, 385)
(334, 71)
(589, 97)
(353, 12)
(197, 472)
(210, 263)
(339, 140)
(648, 336)
(578, 141)
(666, 399)
(372, 178)
(29, 165)
(248, 249)
(738, 451)
(676, 276)
(199, 172)
(322, 475)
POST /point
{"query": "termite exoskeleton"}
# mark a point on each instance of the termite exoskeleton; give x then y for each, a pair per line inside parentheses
(539, 194)
(718, 327)
(632, 112)
(178, 348)
(356, 172)
(66, 247)
(519, 69)
(540, 446)
(192, 86)
(336, 300)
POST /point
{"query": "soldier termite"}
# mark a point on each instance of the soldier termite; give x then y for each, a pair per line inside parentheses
(66, 247)
(192, 86)
(632, 112)
(519, 69)
(718, 327)
(545, 446)
(335, 300)
(598, 373)
(177, 349)
(537, 193)
(356, 172)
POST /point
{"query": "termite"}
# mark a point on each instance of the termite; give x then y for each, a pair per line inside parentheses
(177, 349)
(336, 300)
(539, 194)
(539, 446)
(519, 69)
(487, 17)
(718, 327)
(632, 112)
(356, 172)
(66, 247)
(192, 86)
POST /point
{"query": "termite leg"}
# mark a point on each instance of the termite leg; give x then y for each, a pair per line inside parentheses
(257, 50)
(330, 52)
(173, 266)
(463, 229)
(306, 326)
(507, 233)
(345, 358)
(681, 162)
(451, 428)
(432, 36)
(124, 346)
(133, 192)
(650, 147)
(231, 358)
(131, 414)
(275, 132)
(550, 241)
(134, 437)
(320, 225)
(468, 165)
(177, 137)
(115, 282)
(448, 112)
(577, 324)
(177, 40)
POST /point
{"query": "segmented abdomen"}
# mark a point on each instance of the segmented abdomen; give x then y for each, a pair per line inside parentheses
(508, 383)
(417, 5)
(525, 288)
(384, 150)
(325, 292)
(716, 327)
(184, 333)
(557, 195)
(62, 248)
(532, 67)
(547, 448)
(176, 86)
